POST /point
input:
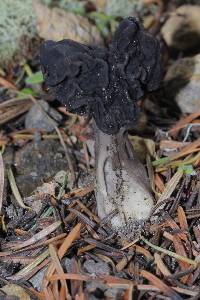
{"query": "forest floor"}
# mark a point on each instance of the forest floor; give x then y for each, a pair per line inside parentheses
(53, 244)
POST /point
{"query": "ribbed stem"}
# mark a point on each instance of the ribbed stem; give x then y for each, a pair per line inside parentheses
(121, 180)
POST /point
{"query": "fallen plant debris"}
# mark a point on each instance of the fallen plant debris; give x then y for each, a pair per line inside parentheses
(53, 245)
(166, 256)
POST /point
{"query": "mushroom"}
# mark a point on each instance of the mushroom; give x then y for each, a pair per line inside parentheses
(106, 84)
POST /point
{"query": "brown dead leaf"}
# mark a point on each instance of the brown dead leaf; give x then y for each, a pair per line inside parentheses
(123, 262)
(87, 211)
(48, 294)
(11, 109)
(160, 265)
(193, 147)
(148, 287)
(182, 123)
(73, 235)
(76, 286)
(58, 268)
(168, 236)
(111, 280)
(159, 183)
(38, 295)
(169, 144)
(6, 84)
(182, 219)
(85, 249)
(80, 192)
(160, 285)
(172, 224)
(179, 248)
(144, 252)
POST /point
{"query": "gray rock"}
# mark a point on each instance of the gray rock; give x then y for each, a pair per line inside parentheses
(36, 117)
(57, 24)
(182, 83)
(99, 268)
(182, 30)
(114, 293)
(35, 202)
(92, 286)
(37, 163)
(37, 279)
(90, 297)
(109, 293)
(86, 179)
(68, 265)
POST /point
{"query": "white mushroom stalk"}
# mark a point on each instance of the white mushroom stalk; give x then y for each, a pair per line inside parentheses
(121, 180)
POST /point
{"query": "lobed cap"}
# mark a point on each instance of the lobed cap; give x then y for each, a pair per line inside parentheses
(104, 84)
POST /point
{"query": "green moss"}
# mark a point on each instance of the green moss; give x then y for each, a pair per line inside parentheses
(121, 8)
(17, 20)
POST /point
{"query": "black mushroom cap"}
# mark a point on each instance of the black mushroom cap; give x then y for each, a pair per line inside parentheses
(104, 84)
